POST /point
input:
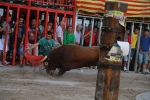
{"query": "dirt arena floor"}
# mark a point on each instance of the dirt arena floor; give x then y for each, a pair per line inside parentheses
(23, 84)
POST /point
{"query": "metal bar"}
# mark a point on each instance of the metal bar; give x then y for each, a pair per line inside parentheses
(100, 31)
(5, 36)
(137, 49)
(15, 40)
(27, 27)
(128, 63)
(138, 22)
(83, 30)
(76, 17)
(46, 20)
(36, 32)
(55, 24)
(90, 44)
(90, 17)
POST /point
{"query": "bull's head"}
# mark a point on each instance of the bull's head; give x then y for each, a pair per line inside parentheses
(49, 68)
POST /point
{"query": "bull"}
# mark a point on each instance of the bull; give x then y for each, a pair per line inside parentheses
(69, 57)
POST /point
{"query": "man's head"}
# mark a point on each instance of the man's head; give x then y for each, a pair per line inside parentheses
(79, 27)
(48, 35)
(49, 28)
(20, 20)
(40, 21)
(33, 22)
(136, 30)
(69, 29)
(62, 24)
(89, 27)
(95, 30)
(127, 31)
(146, 32)
(9, 20)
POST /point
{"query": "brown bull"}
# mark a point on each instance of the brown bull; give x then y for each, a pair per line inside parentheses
(71, 57)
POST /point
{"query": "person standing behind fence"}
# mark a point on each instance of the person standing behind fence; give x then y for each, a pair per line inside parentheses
(1, 42)
(40, 29)
(78, 34)
(59, 34)
(144, 51)
(127, 38)
(20, 40)
(31, 35)
(69, 37)
(134, 42)
(8, 36)
(87, 36)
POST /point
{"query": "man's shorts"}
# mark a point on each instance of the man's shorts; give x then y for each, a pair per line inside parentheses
(143, 57)
(125, 58)
(2, 45)
(149, 56)
(132, 53)
(20, 51)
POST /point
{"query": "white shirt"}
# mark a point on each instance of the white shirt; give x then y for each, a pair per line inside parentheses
(59, 33)
(78, 36)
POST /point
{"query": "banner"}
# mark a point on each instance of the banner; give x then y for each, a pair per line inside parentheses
(136, 8)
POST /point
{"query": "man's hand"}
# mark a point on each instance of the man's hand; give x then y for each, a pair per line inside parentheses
(21, 45)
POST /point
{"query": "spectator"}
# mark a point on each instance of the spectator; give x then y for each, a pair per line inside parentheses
(8, 36)
(46, 44)
(31, 35)
(127, 38)
(59, 34)
(78, 34)
(144, 50)
(134, 41)
(20, 40)
(87, 35)
(69, 37)
(50, 27)
(1, 42)
(94, 37)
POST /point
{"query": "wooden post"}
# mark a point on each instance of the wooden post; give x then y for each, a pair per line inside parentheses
(108, 77)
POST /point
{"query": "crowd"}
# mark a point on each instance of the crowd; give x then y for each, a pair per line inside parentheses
(64, 36)
(144, 48)
(42, 44)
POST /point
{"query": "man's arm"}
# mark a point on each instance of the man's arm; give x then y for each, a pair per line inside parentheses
(33, 46)
(59, 40)
(87, 35)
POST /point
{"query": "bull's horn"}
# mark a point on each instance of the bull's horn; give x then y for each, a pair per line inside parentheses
(44, 58)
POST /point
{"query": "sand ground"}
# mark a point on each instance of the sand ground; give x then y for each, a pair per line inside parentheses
(23, 84)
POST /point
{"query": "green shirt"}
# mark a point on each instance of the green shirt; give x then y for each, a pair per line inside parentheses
(46, 46)
(69, 38)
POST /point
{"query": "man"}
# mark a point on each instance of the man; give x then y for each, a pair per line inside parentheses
(69, 37)
(144, 50)
(134, 41)
(1, 42)
(127, 38)
(88, 34)
(8, 36)
(78, 34)
(59, 34)
(20, 39)
(31, 35)
(46, 44)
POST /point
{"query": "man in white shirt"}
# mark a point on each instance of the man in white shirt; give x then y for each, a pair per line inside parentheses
(59, 34)
(78, 34)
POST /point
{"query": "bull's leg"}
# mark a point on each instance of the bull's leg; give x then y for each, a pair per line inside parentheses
(52, 73)
(61, 72)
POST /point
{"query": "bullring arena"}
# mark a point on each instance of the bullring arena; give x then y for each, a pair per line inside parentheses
(23, 84)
